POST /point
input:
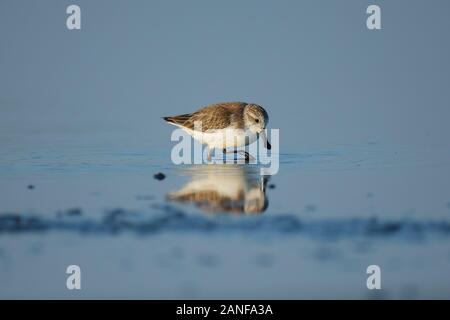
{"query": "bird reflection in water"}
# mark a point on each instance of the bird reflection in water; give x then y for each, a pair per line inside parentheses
(228, 188)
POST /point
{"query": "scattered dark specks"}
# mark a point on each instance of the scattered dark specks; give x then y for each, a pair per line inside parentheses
(208, 260)
(369, 195)
(271, 186)
(264, 260)
(30, 187)
(310, 208)
(159, 176)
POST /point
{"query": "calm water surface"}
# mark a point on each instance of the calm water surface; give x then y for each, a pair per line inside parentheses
(211, 231)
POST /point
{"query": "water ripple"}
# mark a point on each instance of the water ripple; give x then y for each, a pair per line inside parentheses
(167, 218)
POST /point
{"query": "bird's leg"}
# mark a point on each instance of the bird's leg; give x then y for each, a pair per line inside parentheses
(266, 142)
(224, 155)
(248, 156)
(224, 152)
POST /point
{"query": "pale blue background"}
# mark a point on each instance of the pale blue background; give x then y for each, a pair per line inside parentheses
(323, 77)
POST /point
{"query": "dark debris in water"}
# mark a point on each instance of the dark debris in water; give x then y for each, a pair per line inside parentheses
(30, 187)
(159, 176)
(166, 218)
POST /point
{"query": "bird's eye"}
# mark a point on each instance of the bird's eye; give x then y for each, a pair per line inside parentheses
(256, 120)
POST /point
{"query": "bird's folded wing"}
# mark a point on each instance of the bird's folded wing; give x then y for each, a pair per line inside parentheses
(213, 117)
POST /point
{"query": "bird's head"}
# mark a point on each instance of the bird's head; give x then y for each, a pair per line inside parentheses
(255, 118)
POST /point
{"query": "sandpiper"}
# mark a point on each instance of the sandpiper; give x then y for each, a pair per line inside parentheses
(225, 125)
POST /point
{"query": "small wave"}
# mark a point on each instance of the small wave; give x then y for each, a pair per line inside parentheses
(167, 218)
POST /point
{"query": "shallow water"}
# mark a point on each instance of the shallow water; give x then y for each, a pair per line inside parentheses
(224, 231)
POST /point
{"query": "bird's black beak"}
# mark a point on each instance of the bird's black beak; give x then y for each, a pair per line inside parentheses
(265, 140)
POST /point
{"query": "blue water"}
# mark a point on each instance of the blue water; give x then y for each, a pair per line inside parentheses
(298, 234)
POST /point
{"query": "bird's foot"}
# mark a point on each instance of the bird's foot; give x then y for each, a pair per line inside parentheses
(247, 156)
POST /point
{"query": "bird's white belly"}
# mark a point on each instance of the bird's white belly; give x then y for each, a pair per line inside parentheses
(225, 138)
